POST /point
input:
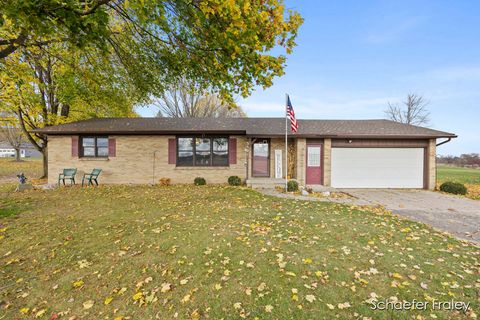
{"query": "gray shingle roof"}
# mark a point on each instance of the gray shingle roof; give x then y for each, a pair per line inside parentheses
(249, 126)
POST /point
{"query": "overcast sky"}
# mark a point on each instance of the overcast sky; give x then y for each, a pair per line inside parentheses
(353, 57)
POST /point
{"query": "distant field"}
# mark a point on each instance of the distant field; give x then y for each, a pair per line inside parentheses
(467, 176)
(9, 168)
(462, 175)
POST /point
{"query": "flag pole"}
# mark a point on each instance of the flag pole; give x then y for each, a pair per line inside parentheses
(286, 143)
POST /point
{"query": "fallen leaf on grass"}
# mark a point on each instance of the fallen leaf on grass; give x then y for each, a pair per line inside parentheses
(121, 291)
(84, 264)
(137, 296)
(343, 305)
(24, 310)
(40, 313)
(88, 304)
(166, 287)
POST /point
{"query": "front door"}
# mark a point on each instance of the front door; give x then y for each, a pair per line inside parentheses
(261, 158)
(314, 164)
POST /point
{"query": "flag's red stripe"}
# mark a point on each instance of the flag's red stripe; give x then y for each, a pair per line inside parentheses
(293, 121)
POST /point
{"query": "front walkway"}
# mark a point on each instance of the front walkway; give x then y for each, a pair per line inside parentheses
(454, 214)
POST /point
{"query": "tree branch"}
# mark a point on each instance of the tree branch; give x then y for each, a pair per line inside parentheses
(12, 45)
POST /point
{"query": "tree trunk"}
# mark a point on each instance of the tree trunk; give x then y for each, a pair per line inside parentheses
(17, 154)
(45, 163)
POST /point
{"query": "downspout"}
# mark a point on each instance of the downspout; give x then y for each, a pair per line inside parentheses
(436, 168)
(443, 142)
(247, 154)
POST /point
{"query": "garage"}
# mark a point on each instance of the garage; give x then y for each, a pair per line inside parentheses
(378, 167)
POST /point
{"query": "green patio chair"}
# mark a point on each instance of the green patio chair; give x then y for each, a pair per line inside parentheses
(68, 173)
(91, 177)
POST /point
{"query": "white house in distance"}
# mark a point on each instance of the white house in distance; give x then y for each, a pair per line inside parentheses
(26, 151)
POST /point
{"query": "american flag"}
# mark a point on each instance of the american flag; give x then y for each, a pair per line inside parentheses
(291, 116)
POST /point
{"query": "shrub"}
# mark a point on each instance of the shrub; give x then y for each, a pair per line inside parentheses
(292, 185)
(453, 187)
(234, 181)
(164, 181)
(199, 181)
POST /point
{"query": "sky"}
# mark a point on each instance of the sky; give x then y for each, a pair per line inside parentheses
(353, 57)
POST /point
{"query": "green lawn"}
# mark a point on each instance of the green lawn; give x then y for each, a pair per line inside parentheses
(9, 168)
(218, 252)
(469, 177)
(457, 174)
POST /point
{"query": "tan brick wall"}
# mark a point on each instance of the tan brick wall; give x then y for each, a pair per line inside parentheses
(327, 162)
(301, 158)
(432, 163)
(134, 162)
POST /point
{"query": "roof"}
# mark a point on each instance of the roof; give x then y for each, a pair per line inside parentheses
(266, 127)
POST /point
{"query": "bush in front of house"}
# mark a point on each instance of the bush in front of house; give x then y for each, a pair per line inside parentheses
(292, 186)
(453, 187)
(234, 181)
(199, 181)
(164, 181)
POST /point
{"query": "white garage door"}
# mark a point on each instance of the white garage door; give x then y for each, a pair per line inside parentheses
(377, 167)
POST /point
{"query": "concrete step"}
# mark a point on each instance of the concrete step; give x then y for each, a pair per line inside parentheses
(319, 188)
(265, 183)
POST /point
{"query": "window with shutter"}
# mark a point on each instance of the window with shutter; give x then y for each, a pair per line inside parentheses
(233, 151)
(172, 151)
(74, 146)
(112, 147)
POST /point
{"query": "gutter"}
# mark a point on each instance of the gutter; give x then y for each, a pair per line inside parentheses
(443, 142)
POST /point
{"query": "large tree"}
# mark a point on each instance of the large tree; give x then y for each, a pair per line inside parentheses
(186, 100)
(57, 85)
(225, 45)
(64, 60)
(412, 111)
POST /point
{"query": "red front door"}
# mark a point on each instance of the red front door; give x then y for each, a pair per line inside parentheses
(314, 164)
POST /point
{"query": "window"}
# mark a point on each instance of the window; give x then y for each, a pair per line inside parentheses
(313, 156)
(185, 152)
(220, 152)
(202, 151)
(94, 146)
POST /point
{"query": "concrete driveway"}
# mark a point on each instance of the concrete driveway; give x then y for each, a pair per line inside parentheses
(456, 215)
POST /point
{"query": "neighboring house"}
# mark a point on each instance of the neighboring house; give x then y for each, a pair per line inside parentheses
(338, 153)
(27, 150)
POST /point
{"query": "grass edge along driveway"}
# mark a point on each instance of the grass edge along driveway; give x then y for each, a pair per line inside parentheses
(212, 252)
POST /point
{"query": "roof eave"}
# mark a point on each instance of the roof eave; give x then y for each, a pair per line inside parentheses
(354, 136)
(146, 132)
